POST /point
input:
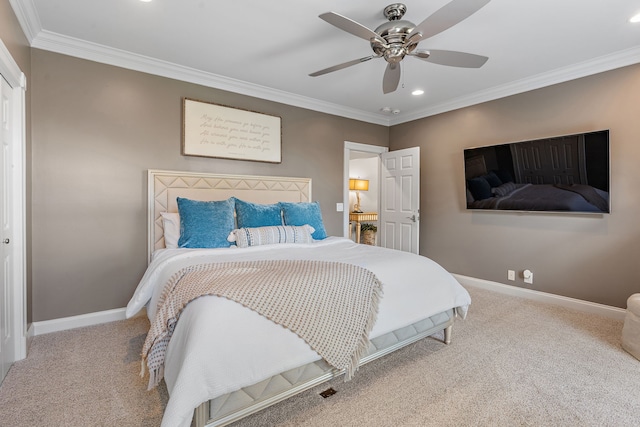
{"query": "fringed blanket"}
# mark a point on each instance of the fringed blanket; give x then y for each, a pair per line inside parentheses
(332, 306)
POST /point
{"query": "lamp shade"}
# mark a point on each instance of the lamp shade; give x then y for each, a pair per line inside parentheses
(359, 184)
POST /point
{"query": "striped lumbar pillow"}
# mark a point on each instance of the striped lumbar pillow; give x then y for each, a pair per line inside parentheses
(256, 236)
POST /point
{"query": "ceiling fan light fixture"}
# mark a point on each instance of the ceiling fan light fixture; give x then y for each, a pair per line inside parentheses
(398, 38)
(417, 92)
(394, 54)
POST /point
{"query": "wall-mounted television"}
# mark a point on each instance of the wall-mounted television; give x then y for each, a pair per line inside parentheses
(567, 173)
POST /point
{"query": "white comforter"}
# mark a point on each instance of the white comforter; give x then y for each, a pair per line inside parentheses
(219, 346)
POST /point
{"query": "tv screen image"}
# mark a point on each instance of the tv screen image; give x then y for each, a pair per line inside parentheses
(567, 173)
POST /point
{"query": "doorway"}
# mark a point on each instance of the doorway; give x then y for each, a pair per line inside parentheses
(397, 194)
(361, 161)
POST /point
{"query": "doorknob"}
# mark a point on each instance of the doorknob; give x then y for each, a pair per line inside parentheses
(412, 218)
(6, 241)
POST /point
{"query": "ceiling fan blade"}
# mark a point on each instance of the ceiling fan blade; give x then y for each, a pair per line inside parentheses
(451, 58)
(391, 78)
(446, 17)
(350, 26)
(341, 66)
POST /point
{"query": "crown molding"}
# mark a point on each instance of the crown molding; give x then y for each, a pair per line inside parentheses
(54, 42)
(46, 40)
(587, 68)
(28, 18)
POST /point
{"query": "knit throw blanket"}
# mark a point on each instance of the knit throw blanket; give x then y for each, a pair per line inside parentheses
(332, 306)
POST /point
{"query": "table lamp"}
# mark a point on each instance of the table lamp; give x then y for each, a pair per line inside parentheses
(358, 185)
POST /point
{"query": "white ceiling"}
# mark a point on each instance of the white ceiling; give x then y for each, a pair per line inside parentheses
(267, 49)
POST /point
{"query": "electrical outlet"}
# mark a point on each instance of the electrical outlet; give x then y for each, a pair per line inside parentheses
(528, 276)
(511, 275)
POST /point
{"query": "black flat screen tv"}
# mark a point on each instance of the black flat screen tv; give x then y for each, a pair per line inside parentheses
(567, 173)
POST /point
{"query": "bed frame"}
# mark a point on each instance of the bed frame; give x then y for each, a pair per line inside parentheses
(164, 187)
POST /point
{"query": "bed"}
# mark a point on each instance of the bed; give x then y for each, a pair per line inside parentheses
(217, 375)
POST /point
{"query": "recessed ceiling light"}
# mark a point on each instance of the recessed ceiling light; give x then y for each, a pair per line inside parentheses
(635, 18)
(146, 1)
(417, 92)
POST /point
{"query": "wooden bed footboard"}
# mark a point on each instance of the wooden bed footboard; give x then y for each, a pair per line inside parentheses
(213, 414)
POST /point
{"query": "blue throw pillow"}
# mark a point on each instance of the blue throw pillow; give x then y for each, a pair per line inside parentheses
(480, 188)
(205, 224)
(304, 213)
(250, 215)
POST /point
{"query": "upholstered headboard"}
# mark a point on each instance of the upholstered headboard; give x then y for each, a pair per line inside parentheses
(166, 186)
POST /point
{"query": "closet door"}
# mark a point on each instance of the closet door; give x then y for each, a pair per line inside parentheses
(7, 350)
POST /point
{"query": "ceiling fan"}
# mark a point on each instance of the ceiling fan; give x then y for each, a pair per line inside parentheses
(398, 38)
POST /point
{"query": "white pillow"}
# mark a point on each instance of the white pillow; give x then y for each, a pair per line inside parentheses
(171, 225)
(256, 236)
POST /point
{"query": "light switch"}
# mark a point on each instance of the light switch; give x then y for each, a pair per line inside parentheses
(339, 207)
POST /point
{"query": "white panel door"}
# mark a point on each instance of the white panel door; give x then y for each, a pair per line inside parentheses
(7, 350)
(400, 200)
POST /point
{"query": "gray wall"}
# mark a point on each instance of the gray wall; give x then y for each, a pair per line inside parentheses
(594, 258)
(96, 130)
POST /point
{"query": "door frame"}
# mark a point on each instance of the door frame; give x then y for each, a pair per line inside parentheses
(18, 82)
(348, 147)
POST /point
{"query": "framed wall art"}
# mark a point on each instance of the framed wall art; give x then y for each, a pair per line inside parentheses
(211, 130)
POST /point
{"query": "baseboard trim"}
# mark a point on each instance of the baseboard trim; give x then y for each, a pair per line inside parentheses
(90, 319)
(30, 335)
(72, 322)
(576, 304)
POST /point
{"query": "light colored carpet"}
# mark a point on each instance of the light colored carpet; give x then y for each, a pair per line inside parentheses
(83, 377)
(513, 362)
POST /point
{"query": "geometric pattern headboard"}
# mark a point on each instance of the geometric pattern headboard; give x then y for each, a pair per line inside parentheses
(165, 186)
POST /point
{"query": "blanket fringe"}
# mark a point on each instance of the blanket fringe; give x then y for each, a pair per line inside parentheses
(143, 367)
(155, 376)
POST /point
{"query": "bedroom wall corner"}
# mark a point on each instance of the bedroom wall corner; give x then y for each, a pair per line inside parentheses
(587, 257)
